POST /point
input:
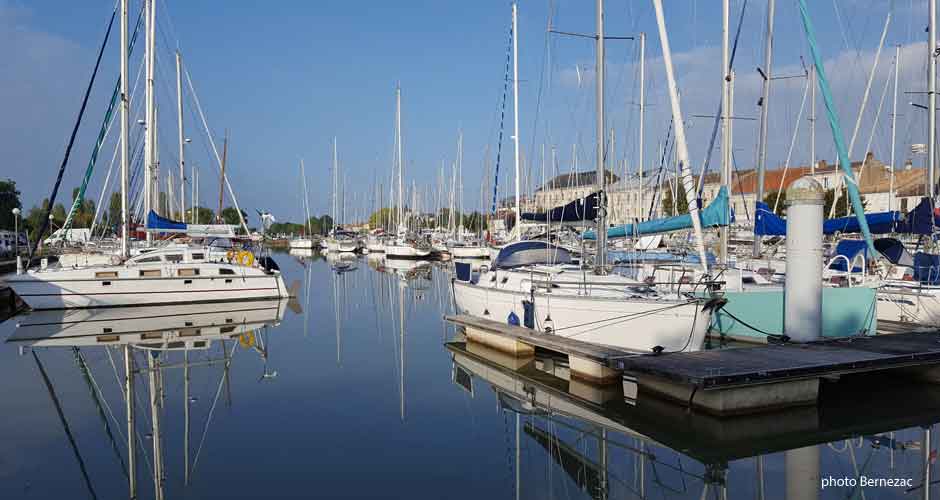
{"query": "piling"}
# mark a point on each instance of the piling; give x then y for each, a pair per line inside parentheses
(803, 292)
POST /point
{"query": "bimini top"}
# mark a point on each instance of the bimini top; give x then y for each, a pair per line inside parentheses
(529, 253)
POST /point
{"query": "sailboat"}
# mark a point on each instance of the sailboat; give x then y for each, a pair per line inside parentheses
(339, 240)
(405, 245)
(304, 241)
(169, 275)
(541, 282)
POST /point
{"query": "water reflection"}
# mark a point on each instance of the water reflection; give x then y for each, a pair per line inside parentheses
(271, 400)
(614, 445)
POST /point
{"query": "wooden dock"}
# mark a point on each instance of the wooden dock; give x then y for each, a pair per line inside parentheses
(730, 380)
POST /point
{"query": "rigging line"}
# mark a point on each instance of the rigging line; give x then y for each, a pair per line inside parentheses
(215, 401)
(100, 405)
(68, 149)
(717, 121)
(502, 117)
(215, 150)
(538, 101)
(65, 424)
(796, 130)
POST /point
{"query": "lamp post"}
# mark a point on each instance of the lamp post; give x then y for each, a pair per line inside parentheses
(16, 230)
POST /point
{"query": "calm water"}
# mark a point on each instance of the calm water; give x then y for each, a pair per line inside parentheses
(360, 390)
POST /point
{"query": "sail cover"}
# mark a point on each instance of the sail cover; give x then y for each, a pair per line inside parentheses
(580, 210)
(716, 214)
(159, 224)
(915, 222)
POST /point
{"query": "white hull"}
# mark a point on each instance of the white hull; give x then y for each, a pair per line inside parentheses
(342, 246)
(376, 247)
(190, 324)
(634, 324)
(302, 243)
(127, 285)
(913, 303)
(469, 252)
(394, 251)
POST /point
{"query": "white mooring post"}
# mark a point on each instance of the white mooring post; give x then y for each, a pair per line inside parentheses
(802, 320)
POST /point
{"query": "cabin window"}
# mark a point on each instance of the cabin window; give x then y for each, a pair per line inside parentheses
(225, 270)
(175, 344)
(150, 273)
(227, 329)
(155, 258)
(189, 271)
(748, 280)
(107, 338)
(201, 343)
(106, 274)
(198, 256)
(174, 257)
(151, 335)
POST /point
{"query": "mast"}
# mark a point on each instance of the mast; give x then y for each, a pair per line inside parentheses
(222, 183)
(764, 110)
(129, 397)
(682, 149)
(401, 209)
(149, 119)
(725, 126)
(894, 122)
(515, 110)
(460, 184)
(932, 104)
(179, 123)
(335, 176)
(812, 123)
(639, 211)
(601, 260)
(124, 149)
(303, 174)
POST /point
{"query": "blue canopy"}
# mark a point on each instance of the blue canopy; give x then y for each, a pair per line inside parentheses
(580, 210)
(156, 222)
(771, 224)
(527, 253)
(849, 249)
(716, 214)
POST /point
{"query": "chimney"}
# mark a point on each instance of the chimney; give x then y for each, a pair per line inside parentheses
(822, 165)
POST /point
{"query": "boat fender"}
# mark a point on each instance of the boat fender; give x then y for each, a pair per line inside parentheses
(528, 314)
(513, 319)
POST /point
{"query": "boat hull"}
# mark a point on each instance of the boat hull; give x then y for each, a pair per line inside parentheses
(471, 252)
(406, 252)
(638, 325)
(97, 287)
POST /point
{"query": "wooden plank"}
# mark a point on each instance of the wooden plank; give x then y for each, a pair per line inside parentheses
(604, 354)
(747, 366)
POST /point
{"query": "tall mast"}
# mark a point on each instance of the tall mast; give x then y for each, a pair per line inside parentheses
(460, 184)
(812, 123)
(515, 110)
(894, 122)
(640, 140)
(725, 126)
(222, 182)
(601, 264)
(179, 123)
(124, 149)
(765, 104)
(401, 209)
(303, 174)
(335, 177)
(932, 104)
(149, 195)
(682, 149)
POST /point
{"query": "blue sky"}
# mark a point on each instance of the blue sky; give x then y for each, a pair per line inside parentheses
(286, 77)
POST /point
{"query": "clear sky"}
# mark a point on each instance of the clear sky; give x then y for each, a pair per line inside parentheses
(286, 77)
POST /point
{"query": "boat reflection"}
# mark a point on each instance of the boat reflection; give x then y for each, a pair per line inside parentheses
(869, 429)
(152, 341)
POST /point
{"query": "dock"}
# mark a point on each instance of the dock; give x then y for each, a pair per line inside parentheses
(726, 381)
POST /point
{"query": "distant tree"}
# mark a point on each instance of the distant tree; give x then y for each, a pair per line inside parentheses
(682, 205)
(326, 223)
(9, 199)
(843, 206)
(771, 198)
(382, 218)
(230, 216)
(203, 215)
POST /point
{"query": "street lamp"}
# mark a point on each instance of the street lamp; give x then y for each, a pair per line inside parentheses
(16, 230)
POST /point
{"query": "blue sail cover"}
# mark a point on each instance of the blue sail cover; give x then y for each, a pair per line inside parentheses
(716, 214)
(161, 224)
(580, 210)
(917, 221)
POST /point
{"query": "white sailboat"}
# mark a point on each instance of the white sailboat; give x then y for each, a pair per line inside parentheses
(169, 275)
(404, 246)
(338, 240)
(304, 241)
(536, 283)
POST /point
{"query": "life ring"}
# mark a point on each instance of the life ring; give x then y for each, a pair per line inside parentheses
(247, 339)
(245, 258)
(230, 255)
